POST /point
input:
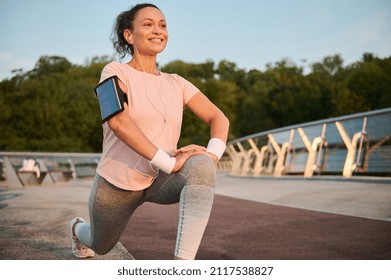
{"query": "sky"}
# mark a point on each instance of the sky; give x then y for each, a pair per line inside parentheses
(249, 33)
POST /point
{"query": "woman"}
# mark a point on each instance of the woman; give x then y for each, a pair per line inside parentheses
(140, 161)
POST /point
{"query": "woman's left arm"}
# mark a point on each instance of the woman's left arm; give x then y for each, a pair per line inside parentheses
(208, 112)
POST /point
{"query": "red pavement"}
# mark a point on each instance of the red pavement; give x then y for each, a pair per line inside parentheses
(241, 230)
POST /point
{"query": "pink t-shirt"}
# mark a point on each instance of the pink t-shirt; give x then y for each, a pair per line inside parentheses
(156, 105)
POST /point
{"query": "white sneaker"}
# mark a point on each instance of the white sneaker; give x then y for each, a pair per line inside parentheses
(79, 250)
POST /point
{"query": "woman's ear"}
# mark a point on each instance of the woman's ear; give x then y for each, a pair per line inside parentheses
(128, 36)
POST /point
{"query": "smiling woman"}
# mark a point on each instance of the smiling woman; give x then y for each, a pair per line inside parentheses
(140, 160)
(146, 33)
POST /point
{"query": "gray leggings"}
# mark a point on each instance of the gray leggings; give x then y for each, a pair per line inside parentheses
(111, 207)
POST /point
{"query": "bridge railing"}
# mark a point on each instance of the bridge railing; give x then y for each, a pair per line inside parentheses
(18, 169)
(352, 145)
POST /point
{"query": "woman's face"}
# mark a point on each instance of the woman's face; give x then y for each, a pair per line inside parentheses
(150, 33)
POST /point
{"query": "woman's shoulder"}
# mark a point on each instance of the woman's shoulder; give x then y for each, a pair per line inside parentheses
(174, 77)
(186, 85)
(114, 68)
(114, 65)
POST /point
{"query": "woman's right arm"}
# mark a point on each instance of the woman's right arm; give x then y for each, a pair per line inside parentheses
(127, 130)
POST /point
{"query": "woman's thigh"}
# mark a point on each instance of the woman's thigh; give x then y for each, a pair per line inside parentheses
(167, 188)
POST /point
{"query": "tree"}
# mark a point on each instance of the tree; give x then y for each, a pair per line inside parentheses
(47, 65)
(370, 81)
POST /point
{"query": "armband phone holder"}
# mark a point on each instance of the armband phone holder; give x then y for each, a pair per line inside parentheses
(111, 98)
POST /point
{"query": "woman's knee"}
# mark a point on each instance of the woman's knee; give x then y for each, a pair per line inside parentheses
(199, 170)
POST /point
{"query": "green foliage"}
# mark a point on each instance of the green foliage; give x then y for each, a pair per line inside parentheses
(52, 107)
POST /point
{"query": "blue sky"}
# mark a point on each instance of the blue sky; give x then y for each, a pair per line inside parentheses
(250, 33)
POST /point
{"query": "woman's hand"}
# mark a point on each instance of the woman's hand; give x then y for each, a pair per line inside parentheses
(183, 156)
(189, 148)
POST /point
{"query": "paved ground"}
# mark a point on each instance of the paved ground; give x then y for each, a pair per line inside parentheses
(277, 219)
(252, 218)
(34, 224)
(362, 197)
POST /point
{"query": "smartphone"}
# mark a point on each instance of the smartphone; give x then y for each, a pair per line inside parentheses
(111, 98)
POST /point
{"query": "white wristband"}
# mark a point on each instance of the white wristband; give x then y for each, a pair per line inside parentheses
(163, 161)
(216, 146)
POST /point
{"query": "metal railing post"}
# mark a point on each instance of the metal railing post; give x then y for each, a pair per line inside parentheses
(236, 159)
(245, 168)
(11, 176)
(351, 145)
(259, 157)
(314, 151)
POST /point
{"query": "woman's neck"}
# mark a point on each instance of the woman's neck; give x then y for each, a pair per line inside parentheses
(144, 64)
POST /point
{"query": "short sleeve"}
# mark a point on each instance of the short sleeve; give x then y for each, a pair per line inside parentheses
(113, 69)
(188, 89)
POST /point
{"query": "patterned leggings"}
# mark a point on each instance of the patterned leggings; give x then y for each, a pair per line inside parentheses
(111, 207)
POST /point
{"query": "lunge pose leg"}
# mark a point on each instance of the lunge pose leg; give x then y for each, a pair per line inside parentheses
(193, 187)
(111, 208)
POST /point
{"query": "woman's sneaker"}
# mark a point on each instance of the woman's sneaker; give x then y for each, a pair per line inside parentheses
(79, 250)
